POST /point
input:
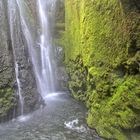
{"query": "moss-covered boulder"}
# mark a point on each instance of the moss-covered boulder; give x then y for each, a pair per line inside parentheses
(102, 55)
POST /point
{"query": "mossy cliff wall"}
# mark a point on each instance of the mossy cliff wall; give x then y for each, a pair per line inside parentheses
(102, 55)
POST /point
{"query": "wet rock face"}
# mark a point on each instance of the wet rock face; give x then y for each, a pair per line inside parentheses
(59, 27)
(6, 65)
(7, 75)
(61, 75)
(13, 47)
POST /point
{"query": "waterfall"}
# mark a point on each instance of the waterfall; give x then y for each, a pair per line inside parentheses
(46, 9)
(41, 51)
(38, 39)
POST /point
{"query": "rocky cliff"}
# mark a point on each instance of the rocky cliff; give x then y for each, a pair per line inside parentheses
(102, 55)
(7, 76)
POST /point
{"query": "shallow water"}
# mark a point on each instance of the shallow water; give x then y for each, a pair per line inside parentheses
(63, 118)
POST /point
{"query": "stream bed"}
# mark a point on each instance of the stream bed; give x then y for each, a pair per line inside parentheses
(63, 118)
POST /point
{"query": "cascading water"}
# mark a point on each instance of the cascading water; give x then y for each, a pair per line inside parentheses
(46, 75)
(40, 52)
(19, 89)
(12, 18)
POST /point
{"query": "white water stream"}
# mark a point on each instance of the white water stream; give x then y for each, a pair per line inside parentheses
(42, 62)
(47, 80)
(12, 20)
(40, 47)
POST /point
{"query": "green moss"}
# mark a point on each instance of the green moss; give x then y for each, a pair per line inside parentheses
(102, 55)
(123, 108)
(7, 102)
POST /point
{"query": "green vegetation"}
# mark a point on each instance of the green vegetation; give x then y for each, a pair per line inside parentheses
(7, 103)
(102, 55)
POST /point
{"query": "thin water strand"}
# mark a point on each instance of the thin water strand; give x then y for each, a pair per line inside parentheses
(12, 18)
(21, 99)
